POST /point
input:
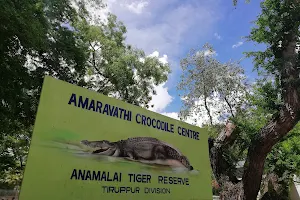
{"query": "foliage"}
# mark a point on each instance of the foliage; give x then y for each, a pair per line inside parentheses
(278, 26)
(41, 37)
(262, 103)
(271, 108)
(116, 69)
(284, 160)
(209, 87)
(236, 1)
(271, 25)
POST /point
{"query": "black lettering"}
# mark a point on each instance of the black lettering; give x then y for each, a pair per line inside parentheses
(187, 181)
(148, 121)
(74, 174)
(98, 107)
(104, 189)
(143, 120)
(96, 176)
(122, 189)
(148, 178)
(81, 174)
(158, 124)
(130, 175)
(179, 130)
(92, 105)
(116, 112)
(163, 126)
(73, 100)
(136, 118)
(127, 115)
(116, 177)
(172, 128)
(153, 123)
(160, 179)
(103, 177)
(83, 104)
(108, 177)
(165, 180)
(88, 175)
(197, 136)
(183, 131)
(121, 112)
(106, 109)
(111, 110)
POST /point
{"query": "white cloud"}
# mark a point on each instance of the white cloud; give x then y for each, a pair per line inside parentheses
(218, 109)
(210, 53)
(207, 53)
(237, 44)
(168, 27)
(137, 7)
(173, 115)
(154, 54)
(217, 36)
(190, 120)
(165, 25)
(98, 14)
(162, 98)
(163, 60)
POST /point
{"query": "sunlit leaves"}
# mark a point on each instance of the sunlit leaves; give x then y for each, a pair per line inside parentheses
(117, 69)
(209, 85)
(284, 159)
(276, 17)
(58, 38)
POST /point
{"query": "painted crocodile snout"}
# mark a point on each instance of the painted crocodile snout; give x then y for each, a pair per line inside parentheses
(103, 147)
(186, 163)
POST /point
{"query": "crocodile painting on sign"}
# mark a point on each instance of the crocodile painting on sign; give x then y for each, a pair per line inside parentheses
(142, 149)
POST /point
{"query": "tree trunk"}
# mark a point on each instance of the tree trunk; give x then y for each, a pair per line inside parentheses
(225, 138)
(208, 111)
(206, 106)
(279, 126)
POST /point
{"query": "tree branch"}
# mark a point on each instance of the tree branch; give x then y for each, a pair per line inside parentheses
(279, 126)
(206, 107)
(225, 138)
(229, 105)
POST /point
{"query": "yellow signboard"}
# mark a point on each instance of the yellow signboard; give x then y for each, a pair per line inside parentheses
(89, 146)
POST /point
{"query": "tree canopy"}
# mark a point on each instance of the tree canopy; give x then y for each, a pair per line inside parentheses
(209, 87)
(267, 120)
(61, 38)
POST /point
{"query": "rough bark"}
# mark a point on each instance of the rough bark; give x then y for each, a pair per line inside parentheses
(279, 126)
(225, 138)
(272, 189)
(288, 116)
(232, 191)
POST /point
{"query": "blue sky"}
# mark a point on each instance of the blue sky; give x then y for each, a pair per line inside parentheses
(173, 27)
(230, 28)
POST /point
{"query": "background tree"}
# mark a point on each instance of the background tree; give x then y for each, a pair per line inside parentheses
(259, 107)
(278, 28)
(117, 69)
(209, 87)
(55, 38)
